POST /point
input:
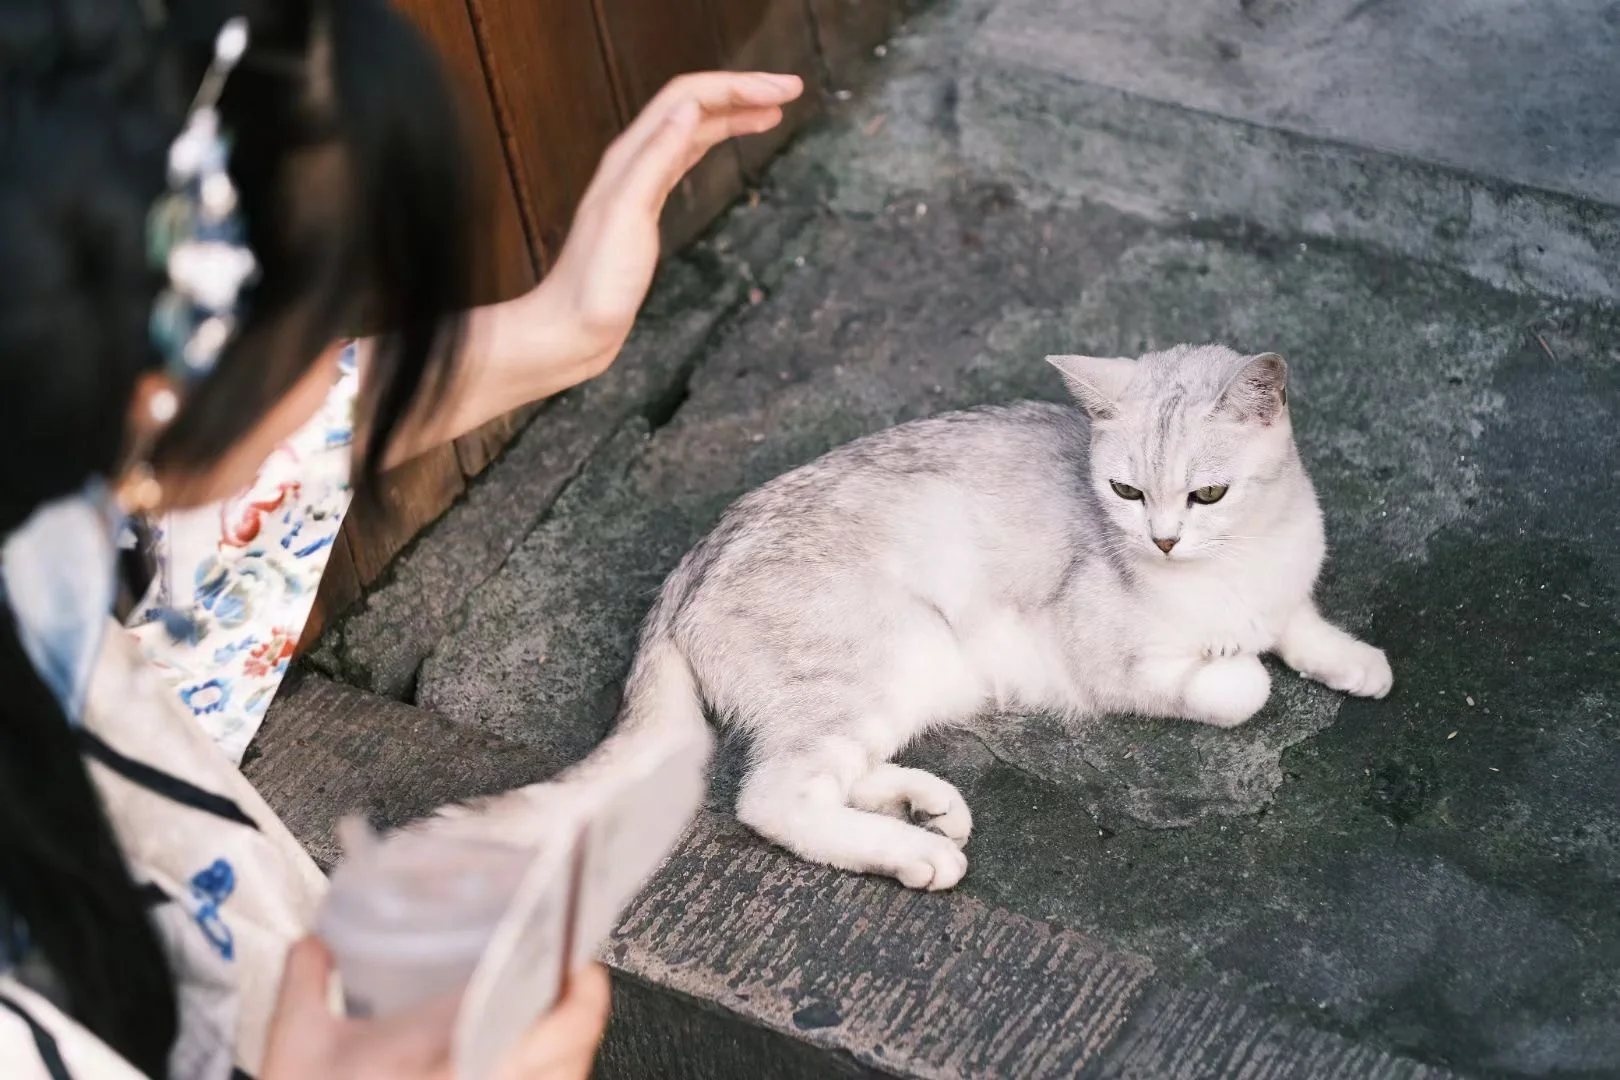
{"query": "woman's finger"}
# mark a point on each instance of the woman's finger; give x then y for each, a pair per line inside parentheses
(650, 176)
(587, 998)
(713, 91)
(302, 1027)
(716, 91)
(563, 1044)
(306, 978)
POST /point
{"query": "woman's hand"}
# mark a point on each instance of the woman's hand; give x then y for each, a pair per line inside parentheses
(571, 326)
(307, 1042)
(562, 1046)
(606, 266)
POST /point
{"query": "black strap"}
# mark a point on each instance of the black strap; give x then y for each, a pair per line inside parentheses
(44, 1041)
(152, 894)
(161, 783)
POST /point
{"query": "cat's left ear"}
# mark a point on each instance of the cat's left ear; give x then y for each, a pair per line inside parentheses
(1095, 381)
(1258, 393)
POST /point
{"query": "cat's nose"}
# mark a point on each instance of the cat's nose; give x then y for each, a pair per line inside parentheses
(1165, 543)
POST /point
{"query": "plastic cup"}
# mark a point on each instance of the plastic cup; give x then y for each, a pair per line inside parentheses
(408, 917)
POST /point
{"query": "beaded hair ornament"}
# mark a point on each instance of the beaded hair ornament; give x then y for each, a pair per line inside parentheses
(196, 236)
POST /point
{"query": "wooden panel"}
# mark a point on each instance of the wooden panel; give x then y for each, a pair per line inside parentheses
(649, 43)
(476, 450)
(849, 29)
(415, 494)
(340, 587)
(506, 266)
(770, 35)
(547, 85)
(555, 99)
(419, 492)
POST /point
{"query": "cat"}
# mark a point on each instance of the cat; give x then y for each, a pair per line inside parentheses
(1136, 554)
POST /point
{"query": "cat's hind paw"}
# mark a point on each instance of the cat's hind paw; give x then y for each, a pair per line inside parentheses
(916, 796)
(928, 861)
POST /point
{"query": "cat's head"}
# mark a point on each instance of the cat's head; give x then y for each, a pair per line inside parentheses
(1189, 447)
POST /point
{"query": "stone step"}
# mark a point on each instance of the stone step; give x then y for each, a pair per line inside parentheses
(1429, 875)
(739, 961)
(1470, 133)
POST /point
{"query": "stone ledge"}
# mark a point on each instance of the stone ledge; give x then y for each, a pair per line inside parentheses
(738, 960)
(1065, 134)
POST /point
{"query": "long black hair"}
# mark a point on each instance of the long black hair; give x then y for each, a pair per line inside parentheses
(350, 166)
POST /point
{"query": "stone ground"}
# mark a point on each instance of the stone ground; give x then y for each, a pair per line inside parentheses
(1437, 873)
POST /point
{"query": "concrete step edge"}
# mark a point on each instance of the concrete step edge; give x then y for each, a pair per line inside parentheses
(1074, 138)
(737, 953)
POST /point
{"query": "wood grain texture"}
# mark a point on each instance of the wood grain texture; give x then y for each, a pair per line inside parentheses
(506, 267)
(548, 73)
(770, 35)
(415, 494)
(340, 587)
(650, 42)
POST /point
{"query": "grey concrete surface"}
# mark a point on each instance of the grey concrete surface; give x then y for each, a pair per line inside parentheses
(1520, 91)
(738, 961)
(1469, 134)
(1433, 876)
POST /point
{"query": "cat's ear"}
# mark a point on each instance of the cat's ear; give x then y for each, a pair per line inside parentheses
(1097, 382)
(1258, 393)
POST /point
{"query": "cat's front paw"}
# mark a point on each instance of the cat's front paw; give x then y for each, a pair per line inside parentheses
(1227, 692)
(1249, 637)
(1352, 667)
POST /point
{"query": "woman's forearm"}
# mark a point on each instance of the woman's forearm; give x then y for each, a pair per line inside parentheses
(514, 352)
(570, 327)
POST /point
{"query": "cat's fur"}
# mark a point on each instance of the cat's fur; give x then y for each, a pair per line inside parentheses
(981, 561)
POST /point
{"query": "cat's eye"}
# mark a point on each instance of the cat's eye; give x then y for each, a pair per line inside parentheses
(1125, 491)
(1211, 493)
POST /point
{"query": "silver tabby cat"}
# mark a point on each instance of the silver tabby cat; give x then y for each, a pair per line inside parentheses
(1136, 554)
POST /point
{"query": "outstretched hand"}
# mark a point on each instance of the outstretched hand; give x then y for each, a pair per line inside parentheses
(571, 326)
(607, 263)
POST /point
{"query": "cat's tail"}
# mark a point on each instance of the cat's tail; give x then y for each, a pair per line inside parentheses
(661, 701)
(662, 705)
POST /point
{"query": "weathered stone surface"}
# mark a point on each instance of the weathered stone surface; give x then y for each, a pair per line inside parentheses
(327, 750)
(1520, 92)
(1431, 875)
(1123, 102)
(893, 979)
(739, 961)
(1189, 1035)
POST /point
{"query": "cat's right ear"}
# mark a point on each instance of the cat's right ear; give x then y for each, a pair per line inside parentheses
(1097, 382)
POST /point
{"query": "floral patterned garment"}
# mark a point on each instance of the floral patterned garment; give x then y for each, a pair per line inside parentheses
(235, 582)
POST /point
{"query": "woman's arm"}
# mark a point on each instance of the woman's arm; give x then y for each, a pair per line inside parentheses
(571, 326)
